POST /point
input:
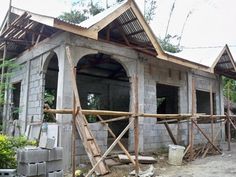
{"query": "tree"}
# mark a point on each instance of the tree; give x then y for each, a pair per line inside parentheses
(150, 7)
(168, 46)
(81, 11)
(229, 88)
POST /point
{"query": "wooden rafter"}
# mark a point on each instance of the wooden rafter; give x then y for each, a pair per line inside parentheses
(136, 32)
(129, 21)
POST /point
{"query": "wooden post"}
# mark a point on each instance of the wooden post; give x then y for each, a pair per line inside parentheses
(170, 133)
(136, 123)
(228, 122)
(211, 111)
(73, 132)
(193, 112)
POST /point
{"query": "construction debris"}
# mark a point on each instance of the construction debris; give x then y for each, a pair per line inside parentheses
(147, 173)
(200, 151)
(142, 159)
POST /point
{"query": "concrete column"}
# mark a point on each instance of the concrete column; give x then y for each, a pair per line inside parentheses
(137, 68)
(64, 100)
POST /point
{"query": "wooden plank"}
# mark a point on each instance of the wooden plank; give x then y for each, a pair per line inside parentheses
(170, 133)
(141, 159)
(111, 147)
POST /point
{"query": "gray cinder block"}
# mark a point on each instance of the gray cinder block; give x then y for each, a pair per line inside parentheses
(56, 174)
(32, 155)
(41, 168)
(7, 172)
(51, 174)
(59, 173)
(27, 169)
(55, 154)
(54, 166)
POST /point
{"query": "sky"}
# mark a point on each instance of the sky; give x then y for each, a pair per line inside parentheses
(211, 23)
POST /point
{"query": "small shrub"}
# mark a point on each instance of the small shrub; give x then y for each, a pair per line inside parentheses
(8, 148)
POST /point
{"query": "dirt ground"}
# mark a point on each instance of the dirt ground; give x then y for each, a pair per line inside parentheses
(212, 166)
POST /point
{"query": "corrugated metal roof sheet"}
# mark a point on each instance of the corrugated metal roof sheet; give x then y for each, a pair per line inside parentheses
(203, 56)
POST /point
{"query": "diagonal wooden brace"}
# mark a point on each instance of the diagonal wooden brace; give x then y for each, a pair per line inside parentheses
(119, 143)
(203, 133)
(111, 147)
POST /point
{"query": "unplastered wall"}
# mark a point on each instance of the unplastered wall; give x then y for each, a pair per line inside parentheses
(31, 75)
(156, 71)
(203, 82)
(18, 75)
(35, 94)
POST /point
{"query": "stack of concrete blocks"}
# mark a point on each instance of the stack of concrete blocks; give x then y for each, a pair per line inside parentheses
(100, 133)
(40, 162)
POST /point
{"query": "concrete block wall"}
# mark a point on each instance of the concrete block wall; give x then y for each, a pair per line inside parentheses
(18, 75)
(35, 90)
(156, 135)
(200, 139)
(203, 82)
(100, 133)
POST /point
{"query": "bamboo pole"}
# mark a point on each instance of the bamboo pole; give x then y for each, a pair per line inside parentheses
(119, 113)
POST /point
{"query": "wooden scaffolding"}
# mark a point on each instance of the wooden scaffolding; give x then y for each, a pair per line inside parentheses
(93, 151)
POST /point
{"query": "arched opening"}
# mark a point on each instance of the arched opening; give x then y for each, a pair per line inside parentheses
(51, 80)
(103, 84)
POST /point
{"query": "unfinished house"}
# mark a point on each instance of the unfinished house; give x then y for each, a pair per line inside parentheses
(114, 53)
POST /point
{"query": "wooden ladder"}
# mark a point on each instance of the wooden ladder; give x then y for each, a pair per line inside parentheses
(92, 149)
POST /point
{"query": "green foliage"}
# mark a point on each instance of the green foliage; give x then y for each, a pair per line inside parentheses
(50, 100)
(49, 97)
(150, 10)
(76, 16)
(73, 16)
(168, 46)
(8, 148)
(9, 66)
(231, 85)
(93, 102)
